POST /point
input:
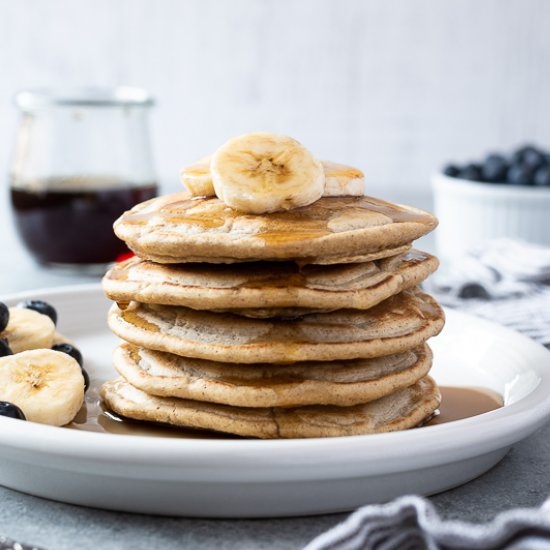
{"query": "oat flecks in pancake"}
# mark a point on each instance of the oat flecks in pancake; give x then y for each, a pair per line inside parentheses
(403, 409)
(178, 228)
(400, 323)
(268, 289)
(341, 383)
(305, 323)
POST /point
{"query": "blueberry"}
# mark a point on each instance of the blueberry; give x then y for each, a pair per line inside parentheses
(451, 170)
(542, 177)
(494, 169)
(519, 174)
(4, 316)
(471, 172)
(534, 158)
(11, 411)
(5, 348)
(86, 380)
(524, 153)
(41, 307)
(69, 349)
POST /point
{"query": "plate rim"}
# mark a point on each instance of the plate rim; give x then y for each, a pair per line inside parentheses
(507, 425)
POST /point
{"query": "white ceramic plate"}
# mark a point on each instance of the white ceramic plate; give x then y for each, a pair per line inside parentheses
(252, 478)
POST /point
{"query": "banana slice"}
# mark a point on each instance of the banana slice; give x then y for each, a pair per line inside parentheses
(46, 385)
(28, 329)
(340, 180)
(261, 172)
(197, 178)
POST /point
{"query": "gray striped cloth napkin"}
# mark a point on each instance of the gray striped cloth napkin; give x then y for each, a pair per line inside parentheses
(9, 544)
(411, 523)
(508, 282)
(502, 280)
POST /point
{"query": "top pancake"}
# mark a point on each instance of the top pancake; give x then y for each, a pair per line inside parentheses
(179, 228)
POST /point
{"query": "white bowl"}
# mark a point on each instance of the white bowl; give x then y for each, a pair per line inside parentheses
(470, 212)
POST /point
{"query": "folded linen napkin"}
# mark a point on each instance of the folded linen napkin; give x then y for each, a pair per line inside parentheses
(503, 280)
(411, 523)
(9, 544)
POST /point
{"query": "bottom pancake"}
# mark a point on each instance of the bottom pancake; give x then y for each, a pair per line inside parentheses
(403, 409)
(342, 383)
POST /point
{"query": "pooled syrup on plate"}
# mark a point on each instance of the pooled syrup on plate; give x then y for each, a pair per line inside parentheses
(94, 417)
(457, 403)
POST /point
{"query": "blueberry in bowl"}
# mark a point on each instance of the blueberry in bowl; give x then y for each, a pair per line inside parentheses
(501, 194)
(516, 168)
(495, 168)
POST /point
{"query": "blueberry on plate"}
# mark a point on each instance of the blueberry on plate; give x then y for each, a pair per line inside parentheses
(494, 169)
(4, 316)
(451, 170)
(71, 350)
(75, 353)
(41, 307)
(5, 348)
(471, 172)
(520, 174)
(542, 177)
(86, 379)
(11, 411)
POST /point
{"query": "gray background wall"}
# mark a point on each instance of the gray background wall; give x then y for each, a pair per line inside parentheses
(394, 86)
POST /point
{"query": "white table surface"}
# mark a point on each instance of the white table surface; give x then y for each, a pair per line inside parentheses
(521, 479)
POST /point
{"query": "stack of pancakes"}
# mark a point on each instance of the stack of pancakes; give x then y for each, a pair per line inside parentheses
(304, 323)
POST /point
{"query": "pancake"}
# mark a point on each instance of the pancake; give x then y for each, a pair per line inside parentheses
(267, 289)
(341, 383)
(356, 259)
(179, 228)
(315, 260)
(400, 323)
(403, 409)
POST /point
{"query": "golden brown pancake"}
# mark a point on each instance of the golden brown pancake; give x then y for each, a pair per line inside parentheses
(400, 323)
(341, 383)
(403, 409)
(179, 228)
(268, 289)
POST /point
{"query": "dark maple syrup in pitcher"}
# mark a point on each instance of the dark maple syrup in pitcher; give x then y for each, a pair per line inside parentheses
(82, 157)
(70, 220)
